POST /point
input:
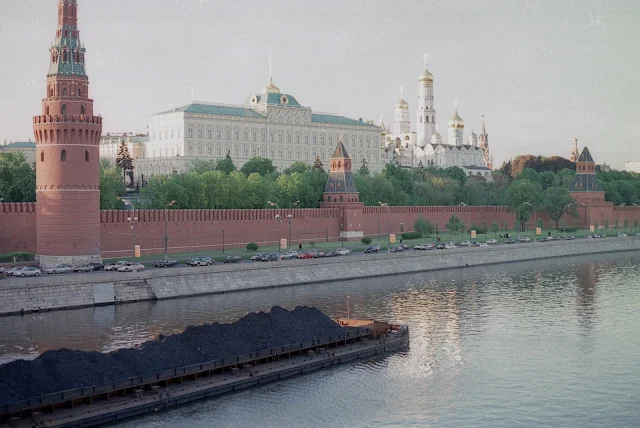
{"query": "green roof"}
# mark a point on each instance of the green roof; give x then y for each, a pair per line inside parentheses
(274, 99)
(215, 109)
(20, 145)
(337, 120)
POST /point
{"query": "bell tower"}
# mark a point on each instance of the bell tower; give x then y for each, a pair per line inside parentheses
(67, 134)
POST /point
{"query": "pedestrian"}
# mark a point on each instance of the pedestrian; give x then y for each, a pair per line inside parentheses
(300, 246)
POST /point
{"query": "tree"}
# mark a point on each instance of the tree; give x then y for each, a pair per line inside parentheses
(495, 229)
(522, 198)
(124, 161)
(423, 226)
(454, 224)
(263, 166)
(225, 165)
(555, 201)
(201, 166)
(606, 224)
(17, 178)
(635, 225)
(317, 165)
(111, 187)
(364, 169)
(300, 167)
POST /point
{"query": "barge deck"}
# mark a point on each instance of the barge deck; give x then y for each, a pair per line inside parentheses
(82, 408)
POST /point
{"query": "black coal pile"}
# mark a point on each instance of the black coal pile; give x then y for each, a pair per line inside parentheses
(66, 369)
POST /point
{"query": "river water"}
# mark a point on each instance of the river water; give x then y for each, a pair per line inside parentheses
(546, 343)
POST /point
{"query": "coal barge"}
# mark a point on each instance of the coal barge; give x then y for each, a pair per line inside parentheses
(106, 402)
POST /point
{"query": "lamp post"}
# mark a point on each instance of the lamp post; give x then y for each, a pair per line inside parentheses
(462, 204)
(279, 220)
(289, 221)
(384, 204)
(401, 231)
(166, 237)
(132, 221)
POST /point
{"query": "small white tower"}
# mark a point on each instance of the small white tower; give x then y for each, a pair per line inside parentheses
(456, 129)
(425, 113)
(402, 124)
(473, 139)
(436, 139)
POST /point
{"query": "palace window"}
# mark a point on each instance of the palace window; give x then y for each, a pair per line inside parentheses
(63, 156)
(209, 133)
(322, 140)
(246, 135)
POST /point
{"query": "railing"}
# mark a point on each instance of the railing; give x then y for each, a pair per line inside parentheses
(67, 118)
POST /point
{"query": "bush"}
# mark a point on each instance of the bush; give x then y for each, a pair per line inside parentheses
(411, 235)
(567, 229)
(423, 226)
(20, 257)
(252, 246)
(366, 240)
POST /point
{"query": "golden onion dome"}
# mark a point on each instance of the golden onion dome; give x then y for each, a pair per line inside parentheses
(425, 76)
(402, 104)
(271, 88)
(456, 121)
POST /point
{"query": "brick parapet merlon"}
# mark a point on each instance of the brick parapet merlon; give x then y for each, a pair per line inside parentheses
(434, 209)
(18, 208)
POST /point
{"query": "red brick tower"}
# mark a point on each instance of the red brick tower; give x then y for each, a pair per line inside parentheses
(67, 159)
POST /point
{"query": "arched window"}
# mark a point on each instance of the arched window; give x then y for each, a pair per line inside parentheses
(64, 109)
(81, 109)
(51, 92)
(427, 119)
(64, 92)
(42, 156)
(79, 92)
(86, 156)
(63, 156)
(47, 109)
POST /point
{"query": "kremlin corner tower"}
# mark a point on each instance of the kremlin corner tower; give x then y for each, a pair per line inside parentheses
(67, 159)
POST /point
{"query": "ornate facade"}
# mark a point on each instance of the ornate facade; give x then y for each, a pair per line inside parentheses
(269, 124)
(426, 147)
(67, 156)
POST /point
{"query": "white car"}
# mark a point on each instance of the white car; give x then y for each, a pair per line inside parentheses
(343, 251)
(483, 244)
(465, 244)
(29, 271)
(133, 267)
(289, 255)
(59, 269)
(491, 241)
(450, 246)
(116, 265)
(525, 239)
(622, 234)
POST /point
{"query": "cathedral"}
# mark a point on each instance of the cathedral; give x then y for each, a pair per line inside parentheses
(426, 147)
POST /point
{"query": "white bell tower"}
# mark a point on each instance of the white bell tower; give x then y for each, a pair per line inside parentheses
(402, 123)
(425, 113)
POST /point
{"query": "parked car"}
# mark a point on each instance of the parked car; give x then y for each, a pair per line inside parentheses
(289, 255)
(397, 249)
(29, 271)
(622, 234)
(256, 257)
(374, 249)
(441, 246)
(465, 244)
(14, 271)
(483, 244)
(450, 246)
(166, 263)
(232, 259)
(305, 255)
(525, 239)
(271, 257)
(491, 241)
(509, 241)
(420, 247)
(201, 261)
(343, 251)
(131, 267)
(3, 273)
(84, 268)
(571, 238)
(97, 266)
(59, 269)
(319, 254)
(116, 265)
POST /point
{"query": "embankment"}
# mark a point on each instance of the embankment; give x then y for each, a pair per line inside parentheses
(105, 288)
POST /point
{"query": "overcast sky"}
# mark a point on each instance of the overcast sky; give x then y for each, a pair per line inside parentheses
(541, 71)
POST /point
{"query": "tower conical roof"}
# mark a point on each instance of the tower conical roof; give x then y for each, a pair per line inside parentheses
(340, 151)
(585, 156)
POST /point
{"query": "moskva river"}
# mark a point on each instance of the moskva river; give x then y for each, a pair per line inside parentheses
(540, 344)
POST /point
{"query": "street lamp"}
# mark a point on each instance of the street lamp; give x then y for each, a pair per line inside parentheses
(289, 220)
(132, 221)
(279, 220)
(462, 204)
(166, 237)
(384, 204)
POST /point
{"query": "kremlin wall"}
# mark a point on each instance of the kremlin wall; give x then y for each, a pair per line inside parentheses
(207, 230)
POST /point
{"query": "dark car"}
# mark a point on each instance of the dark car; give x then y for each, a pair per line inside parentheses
(509, 241)
(374, 249)
(201, 261)
(441, 246)
(272, 257)
(166, 263)
(97, 266)
(256, 257)
(84, 268)
(232, 259)
(397, 249)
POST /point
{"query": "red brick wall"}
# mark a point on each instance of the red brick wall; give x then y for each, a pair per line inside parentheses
(17, 227)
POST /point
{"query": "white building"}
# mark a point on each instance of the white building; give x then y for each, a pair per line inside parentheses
(110, 144)
(426, 147)
(269, 124)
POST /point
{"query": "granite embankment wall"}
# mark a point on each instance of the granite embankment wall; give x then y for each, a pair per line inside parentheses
(63, 292)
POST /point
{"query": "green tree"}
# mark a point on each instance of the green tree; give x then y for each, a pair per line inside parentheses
(299, 167)
(17, 178)
(263, 166)
(635, 225)
(200, 166)
(522, 197)
(317, 165)
(225, 165)
(606, 224)
(124, 161)
(111, 187)
(495, 229)
(454, 224)
(423, 226)
(364, 169)
(555, 201)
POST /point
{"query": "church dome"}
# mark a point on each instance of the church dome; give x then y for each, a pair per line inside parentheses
(473, 139)
(402, 104)
(456, 121)
(271, 88)
(425, 76)
(436, 138)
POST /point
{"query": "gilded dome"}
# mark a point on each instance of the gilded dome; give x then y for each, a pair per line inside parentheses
(456, 121)
(402, 104)
(425, 76)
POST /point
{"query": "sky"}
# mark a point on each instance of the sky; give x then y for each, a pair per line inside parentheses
(542, 72)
